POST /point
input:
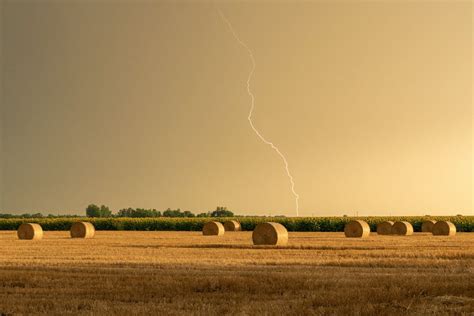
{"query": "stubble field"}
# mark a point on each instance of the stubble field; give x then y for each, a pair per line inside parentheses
(177, 273)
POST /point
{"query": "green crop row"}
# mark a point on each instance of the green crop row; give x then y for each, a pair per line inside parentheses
(302, 224)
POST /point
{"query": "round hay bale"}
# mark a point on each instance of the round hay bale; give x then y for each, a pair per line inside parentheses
(427, 226)
(444, 228)
(402, 228)
(82, 230)
(213, 229)
(357, 229)
(232, 226)
(385, 228)
(270, 233)
(30, 231)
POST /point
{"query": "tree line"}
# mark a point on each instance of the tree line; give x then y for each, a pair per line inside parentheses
(104, 211)
(36, 215)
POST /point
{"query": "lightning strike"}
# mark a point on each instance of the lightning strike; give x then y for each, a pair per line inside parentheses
(252, 107)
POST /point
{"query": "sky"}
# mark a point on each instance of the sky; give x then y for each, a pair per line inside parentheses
(145, 104)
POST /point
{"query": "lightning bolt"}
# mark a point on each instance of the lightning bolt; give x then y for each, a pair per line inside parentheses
(252, 107)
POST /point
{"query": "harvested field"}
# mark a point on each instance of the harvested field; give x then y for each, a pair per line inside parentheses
(185, 272)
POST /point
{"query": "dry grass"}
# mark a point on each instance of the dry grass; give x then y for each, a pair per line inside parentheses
(30, 231)
(232, 226)
(270, 234)
(213, 229)
(444, 228)
(402, 228)
(82, 230)
(357, 229)
(186, 273)
(385, 228)
(427, 226)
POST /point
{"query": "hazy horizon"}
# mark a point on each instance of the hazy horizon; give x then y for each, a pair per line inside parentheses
(144, 104)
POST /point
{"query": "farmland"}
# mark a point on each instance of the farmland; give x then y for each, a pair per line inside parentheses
(301, 224)
(165, 272)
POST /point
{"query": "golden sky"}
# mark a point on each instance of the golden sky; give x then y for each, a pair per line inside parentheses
(144, 104)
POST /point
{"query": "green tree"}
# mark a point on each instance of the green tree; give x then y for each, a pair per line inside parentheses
(95, 211)
(105, 212)
(139, 212)
(173, 213)
(222, 211)
(126, 212)
(188, 214)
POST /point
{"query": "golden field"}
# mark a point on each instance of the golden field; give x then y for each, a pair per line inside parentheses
(176, 273)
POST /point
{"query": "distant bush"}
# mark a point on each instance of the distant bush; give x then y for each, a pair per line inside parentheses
(139, 212)
(95, 211)
(306, 224)
(177, 213)
(103, 211)
(222, 211)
